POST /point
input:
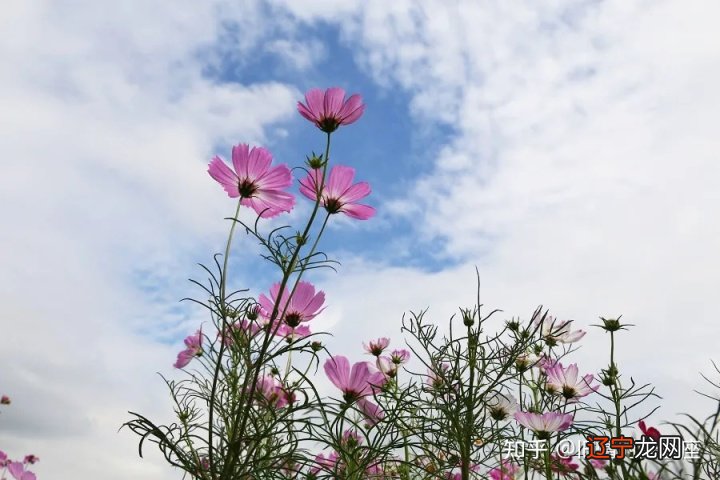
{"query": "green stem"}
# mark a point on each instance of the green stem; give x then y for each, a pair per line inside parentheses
(223, 316)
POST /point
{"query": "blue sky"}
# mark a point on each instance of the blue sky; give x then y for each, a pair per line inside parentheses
(567, 149)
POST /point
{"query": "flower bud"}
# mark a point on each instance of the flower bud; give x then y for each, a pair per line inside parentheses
(611, 324)
(315, 161)
(316, 346)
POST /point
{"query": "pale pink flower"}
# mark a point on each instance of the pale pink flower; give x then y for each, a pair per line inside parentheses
(437, 379)
(193, 349)
(501, 406)
(400, 356)
(565, 381)
(338, 194)
(304, 305)
(544, 424)
(258, 185)
(376, 347)
(17, 470)
(329, 109)
(386, 366)
(356, 383)
(556, 331)
(506, 471)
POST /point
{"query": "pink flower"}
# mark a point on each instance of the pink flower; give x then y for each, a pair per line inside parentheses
(273, 392)
(325, 463)
(31, 459)
(356, 383)
(352, 437)
(328, 110)
(436, 379)
(598, 463)
(506, 471)
(17, 470)
(566, 382)
(194, 349)
(4, 400)
(561, 464)
(651, 432)
(257, 184)
(338, 193)
(544, 424)
(292, 334)
(304, 305)
(400, 357)
(376, 347)
(3, 458)
(372, 412)
(387, 367)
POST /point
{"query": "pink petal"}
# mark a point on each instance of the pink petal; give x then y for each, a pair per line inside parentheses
(314, 100)
(337, 369)
(224, 176)
(341, 178)
(240, 154)
(359, 212)
(258, 162)
(352, 110)
(334, 98)
(356, 192)
(310, 184)
(275, 178)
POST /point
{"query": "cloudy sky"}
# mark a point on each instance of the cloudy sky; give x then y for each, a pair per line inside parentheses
(568, 149)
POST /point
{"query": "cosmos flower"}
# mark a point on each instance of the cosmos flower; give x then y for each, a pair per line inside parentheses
(304, 305)
(339, 194)
(258, 185)
(651, 432)
(193, 349)
(355, 383)
(376, 347)
(329, 110)
(544, 424)
(565, 381)
(501, 406)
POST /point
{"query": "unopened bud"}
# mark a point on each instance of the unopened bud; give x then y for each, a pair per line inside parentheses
(315, 161)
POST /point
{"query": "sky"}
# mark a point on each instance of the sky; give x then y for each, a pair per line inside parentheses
(568, 150)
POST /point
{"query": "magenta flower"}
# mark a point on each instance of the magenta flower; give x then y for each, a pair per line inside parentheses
(338, 193)
(400, 356)
(304, 305)
(327, 463)
(3, 458)
(31, 459)
(193, 349)
(544, 424)
(17, 470)
(4, 400)
(506, 471)
(356, 383)
(651, 432)
(328, 110)
(258, 185)
(376, 347)
(565, 381)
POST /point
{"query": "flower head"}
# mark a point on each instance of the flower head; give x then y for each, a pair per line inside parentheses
(272, 391)
(304, 305)
(501, 406)
(400, 356)
(565, 382)
(193, 349)
(544, 424)
(372, 412)
(376, 347)
(338, 194)
(258, 185)
(651, 432)
(555, 331)
(4, 400)
(387, 366)
(355, 383)
(329, 109)
(17, 470)
(506, 471)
